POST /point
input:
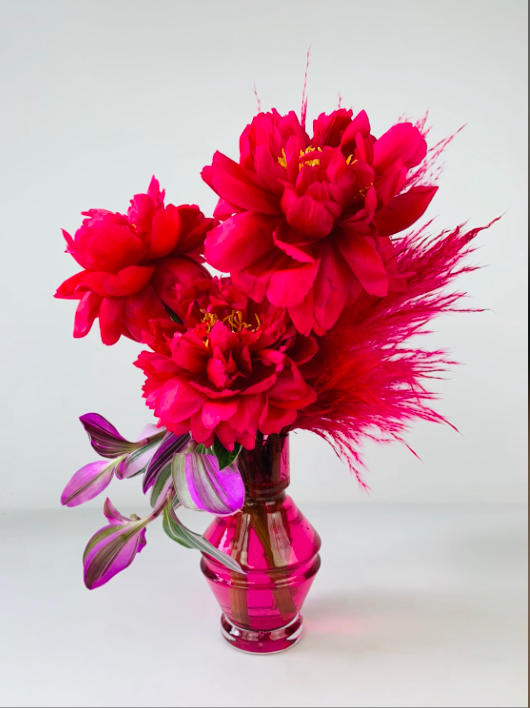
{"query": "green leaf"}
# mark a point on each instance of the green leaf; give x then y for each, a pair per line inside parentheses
(189, 539)
(224, 456)
(160, 485)
(173, 315)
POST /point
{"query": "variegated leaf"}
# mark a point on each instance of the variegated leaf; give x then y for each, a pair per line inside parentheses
(89, 481)
(202, 486)
(114, 547)
(162, 457)
(136, 462)
(181, 534)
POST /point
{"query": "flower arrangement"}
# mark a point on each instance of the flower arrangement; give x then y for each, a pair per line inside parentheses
(327, 277)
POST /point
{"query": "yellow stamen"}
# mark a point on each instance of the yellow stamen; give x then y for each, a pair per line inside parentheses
(310, 163)
(234, 320)
(364, 190)
(282, 160)
(209, 319)
(350, 161)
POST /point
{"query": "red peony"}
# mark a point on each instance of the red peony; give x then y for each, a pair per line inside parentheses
(132, 263)
(233, 372)
(307, 221)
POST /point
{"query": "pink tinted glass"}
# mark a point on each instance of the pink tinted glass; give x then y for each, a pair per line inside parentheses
(274, 542)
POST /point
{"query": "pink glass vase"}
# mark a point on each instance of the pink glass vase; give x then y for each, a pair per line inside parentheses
(276, 546)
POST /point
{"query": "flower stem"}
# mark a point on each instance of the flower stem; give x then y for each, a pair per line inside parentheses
(238, 588)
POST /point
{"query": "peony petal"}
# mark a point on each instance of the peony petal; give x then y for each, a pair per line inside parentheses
(155, 193)
(270, 172)
(212, 392)
(88, 482)
(85, 314)
(391, 184)
(127, 281)
(108, 242)
(309, 217)
(165, 232)
(227, 435)
(288, 240)
(214, 412)
(237, 191)
(331, 287)
(223, 210)
(188, 354)
(239, 241)
(254, 280)
(404, 210)
(140, 310)
(72, 288)
(277, 419)
(364, 261)
(291, 390)
(251, 410)
(111, 314)
(72, 249)
(177, 400)
(289, 286)
(202, 486)
(303, 349)
(360, 124)
(303, 315)
(199, 432)
(402, 140)
(194, 229)
(263, 384)
(171, 271)
(328, 129)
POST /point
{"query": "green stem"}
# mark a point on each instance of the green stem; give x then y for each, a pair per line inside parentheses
(238, 589)
(282, 593)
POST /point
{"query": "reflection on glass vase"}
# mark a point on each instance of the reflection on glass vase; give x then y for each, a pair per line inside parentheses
(275, 544)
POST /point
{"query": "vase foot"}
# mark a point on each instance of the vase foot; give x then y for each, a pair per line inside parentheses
(262, 642)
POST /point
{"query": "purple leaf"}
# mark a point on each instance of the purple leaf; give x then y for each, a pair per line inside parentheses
(202, 486)
(104, 437)
(88, 482)
(136, 462)
(114, 547)
(162, 457)
(149, 430)
(113, 515)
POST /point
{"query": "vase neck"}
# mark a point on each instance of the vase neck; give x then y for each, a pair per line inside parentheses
(265, 469)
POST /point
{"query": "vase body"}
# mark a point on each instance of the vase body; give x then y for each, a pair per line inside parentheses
(276, 546)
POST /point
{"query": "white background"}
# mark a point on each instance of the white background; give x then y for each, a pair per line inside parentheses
(97, 96)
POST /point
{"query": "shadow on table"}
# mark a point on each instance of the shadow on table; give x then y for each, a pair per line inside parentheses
(411, 624)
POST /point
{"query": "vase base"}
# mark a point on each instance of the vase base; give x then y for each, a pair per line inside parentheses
(262, 642)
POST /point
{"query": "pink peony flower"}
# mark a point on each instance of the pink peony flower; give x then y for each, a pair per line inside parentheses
(233, 372)
(132, 263)
(307, 221)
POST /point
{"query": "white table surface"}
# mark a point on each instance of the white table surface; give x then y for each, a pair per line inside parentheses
(413, 606)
